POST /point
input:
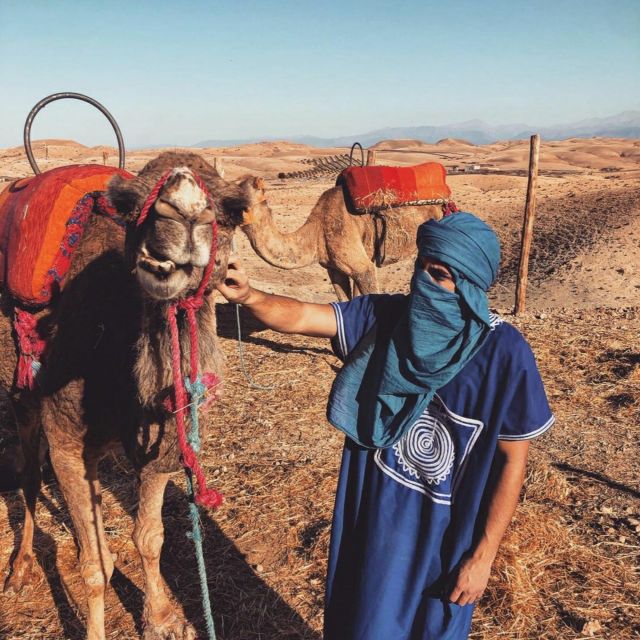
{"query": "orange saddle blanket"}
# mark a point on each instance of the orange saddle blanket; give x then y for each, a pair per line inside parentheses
(373, 188)
(41, 222)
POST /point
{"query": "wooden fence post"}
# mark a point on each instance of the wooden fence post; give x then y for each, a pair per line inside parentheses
(371, 157)
(527, 227)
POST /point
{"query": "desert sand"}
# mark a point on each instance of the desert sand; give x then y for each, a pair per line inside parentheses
(586, 247)
(568, 568)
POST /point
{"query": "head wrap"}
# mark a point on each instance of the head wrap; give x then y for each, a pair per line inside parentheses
(395, 370)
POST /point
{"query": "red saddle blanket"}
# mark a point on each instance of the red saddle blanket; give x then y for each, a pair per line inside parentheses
(378, 187)
(41, 222)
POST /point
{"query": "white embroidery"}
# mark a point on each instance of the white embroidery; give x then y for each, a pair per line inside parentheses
(427, 450)
(402, 465)
(532, 434)
(494, 320)
(342, 340)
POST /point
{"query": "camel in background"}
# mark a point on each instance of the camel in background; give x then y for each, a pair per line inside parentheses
(343, 243)
(107, 370)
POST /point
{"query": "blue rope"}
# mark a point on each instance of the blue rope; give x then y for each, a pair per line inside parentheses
(196, 391)
(35, 367)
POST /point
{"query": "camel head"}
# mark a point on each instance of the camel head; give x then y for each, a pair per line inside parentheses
(253, 193)
(170, 249)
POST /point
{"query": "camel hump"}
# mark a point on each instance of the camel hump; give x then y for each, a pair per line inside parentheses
(41, 222)
(372, 188)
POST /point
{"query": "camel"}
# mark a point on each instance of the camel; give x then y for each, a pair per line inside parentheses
(107, 369)
(341, 242)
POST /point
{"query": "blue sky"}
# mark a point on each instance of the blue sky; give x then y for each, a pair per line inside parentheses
(181, 72)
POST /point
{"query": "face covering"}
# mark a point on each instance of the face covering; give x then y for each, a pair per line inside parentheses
(397, 367)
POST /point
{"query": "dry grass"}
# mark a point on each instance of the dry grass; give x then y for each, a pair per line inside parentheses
(569, 566)
(548, 582)
(384, 198)
(569, 563)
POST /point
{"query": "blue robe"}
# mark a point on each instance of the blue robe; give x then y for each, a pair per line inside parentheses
(405, 515)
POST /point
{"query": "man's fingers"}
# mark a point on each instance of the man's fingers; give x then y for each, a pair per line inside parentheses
(234, 262)
(462, 597)
(236, 276)
(467, 597)
(231, 281)
(455, 594)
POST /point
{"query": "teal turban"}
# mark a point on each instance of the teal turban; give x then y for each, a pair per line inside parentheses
(393, 373)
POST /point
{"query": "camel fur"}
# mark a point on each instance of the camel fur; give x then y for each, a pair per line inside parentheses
(341, 242)
(107, 369)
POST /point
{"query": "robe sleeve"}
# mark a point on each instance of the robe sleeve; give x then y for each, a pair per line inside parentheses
(528, 414)
(354, 318)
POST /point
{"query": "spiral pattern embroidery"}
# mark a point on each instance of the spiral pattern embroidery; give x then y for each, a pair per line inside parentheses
(427, 451)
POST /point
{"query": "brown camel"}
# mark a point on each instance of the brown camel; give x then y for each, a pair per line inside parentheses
(107, 369)
(341, 242)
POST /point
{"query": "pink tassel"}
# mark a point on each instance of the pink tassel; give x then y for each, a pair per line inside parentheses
(30, 346)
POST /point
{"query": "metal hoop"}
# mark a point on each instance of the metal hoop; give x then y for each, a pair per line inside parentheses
(75, 96)
(353, 146)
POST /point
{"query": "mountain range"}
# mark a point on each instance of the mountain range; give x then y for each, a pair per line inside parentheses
(622, 125)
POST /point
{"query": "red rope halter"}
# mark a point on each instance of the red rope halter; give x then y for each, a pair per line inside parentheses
(449, 208)
(190, 305)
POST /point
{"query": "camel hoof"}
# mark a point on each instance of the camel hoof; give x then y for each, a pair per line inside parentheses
(21, 576)
(172, 629)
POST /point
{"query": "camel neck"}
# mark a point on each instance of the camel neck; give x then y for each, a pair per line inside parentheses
(284, 250)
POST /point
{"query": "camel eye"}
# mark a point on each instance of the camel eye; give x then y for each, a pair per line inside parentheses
(167, 210)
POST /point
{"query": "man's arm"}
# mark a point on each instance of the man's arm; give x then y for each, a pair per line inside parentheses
(280, 313)
(473, 575)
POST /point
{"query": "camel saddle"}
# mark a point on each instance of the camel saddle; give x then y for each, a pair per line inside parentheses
(42, 220)
(374, 188)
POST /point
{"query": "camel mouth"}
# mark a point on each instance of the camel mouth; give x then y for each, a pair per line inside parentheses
(160, 277)
(157, 266)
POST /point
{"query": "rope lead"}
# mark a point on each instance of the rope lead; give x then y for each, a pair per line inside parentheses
(196, 535)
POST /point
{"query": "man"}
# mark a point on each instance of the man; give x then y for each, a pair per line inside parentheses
(438, 399)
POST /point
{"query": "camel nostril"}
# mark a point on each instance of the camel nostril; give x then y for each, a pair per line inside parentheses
(167, 267)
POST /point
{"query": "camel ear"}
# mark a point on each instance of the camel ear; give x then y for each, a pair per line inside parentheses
(124, 196)
(247, 217)
(235, 201)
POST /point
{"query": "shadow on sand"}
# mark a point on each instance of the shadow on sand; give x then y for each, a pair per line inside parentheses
(598, 477)
(244, 606)
(228, 328)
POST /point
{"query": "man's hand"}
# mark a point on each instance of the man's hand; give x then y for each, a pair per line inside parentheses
(471, 580)
(236, 287)
(280, 313)
(473, 574)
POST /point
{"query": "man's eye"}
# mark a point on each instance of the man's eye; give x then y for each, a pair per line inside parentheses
(436, 274)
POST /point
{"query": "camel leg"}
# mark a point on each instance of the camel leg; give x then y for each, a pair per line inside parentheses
(341, 284)
(366, 281)
(161, 622)
(28, 420)
(78, 479)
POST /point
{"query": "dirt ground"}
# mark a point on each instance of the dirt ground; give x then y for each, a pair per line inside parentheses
(569, 566)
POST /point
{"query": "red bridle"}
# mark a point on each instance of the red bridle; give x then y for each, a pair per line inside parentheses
(203, 496)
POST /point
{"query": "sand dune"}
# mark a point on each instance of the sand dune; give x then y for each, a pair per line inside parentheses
(455, 141)
(270, 158)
